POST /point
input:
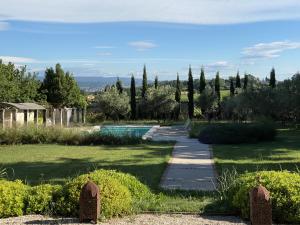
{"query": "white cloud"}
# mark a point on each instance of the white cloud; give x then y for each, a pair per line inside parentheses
(268, 50)
(173, 11)
(4, 26)
(217, 66)
(142, 45)
(20, 60)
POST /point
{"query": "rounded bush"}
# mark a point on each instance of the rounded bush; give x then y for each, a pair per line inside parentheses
(115, 198)
(41, 198)
(12, 198)
(284, 190)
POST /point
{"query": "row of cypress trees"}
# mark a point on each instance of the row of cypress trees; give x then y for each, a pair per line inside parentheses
(190, 88)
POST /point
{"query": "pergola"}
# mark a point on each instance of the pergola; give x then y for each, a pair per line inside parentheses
(22, 109)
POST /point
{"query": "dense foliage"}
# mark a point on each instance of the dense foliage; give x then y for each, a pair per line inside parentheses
(120, 194)
(57, 135)
(113, 104)
(190, 94)
(236, 133)
(58, 88)
(284, 191)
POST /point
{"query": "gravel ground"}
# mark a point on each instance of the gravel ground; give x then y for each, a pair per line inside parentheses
(142, 219)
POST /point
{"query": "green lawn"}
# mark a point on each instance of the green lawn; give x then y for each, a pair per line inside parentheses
(283, 153)
(55, 163)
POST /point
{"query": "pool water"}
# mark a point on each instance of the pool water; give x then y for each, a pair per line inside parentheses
(133, 131)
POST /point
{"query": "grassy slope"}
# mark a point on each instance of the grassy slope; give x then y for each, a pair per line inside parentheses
(283, 153)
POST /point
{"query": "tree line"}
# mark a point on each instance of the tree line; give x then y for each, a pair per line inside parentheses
(57, 89)
(249, 98)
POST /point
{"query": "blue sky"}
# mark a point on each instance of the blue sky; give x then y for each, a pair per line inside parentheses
(101, 38)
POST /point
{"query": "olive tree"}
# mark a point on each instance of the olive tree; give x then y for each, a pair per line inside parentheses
(113, 104)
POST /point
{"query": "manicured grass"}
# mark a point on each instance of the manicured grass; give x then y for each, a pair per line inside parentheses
(283, 153)
(55, 163)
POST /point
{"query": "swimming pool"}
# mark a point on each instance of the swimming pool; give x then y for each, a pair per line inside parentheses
(133, 131)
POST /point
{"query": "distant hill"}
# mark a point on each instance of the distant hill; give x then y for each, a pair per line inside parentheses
(97, 83)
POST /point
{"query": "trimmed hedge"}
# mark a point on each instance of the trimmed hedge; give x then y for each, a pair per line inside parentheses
(237, 133)
(120, 194)
(57, 135)
(284, 190)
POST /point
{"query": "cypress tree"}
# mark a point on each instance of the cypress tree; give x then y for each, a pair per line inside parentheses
(190, 94)
(177, 98)
(156, 82)
(217, 86)
(202, 81)
(272, 78)
(231, 88)
(145, 84)
(133, 98)
(245, 82)
(178, 91)
(238, 80)
(119, 85)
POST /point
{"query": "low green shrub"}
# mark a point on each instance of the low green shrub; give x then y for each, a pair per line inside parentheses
(58, 135)
(116, 199)
(42, 198)
(12, 198)
(284, 190)
(237, 133)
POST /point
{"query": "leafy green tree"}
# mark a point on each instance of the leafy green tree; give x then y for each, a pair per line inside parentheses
(133, 98)
(208, 101)
(238, 80)
(190, 94)
(217, 86)
(202, 81)
(156, 82)
(61, 88)
(145, 83)
(232, 89)
(272, 78)
(113, 104)
(119, 85)
(160, 103)
(17, 85)
(245, 82)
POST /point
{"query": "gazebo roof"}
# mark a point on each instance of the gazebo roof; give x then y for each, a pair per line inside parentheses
(22, 106)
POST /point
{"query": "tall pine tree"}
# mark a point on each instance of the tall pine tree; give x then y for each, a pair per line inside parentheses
(156, 82)
(119, 86)
(245, 82)
(272, 78)
(145, 83)
(231, 88)
(190, 94)
(202, 81)
(133, 98)
(217, 86)
(238, 80)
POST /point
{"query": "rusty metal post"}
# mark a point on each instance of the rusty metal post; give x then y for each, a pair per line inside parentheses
(260, 206)
(89, 203)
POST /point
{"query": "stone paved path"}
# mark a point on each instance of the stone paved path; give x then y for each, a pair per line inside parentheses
(191, 166)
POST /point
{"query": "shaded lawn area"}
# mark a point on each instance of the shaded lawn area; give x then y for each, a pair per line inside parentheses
(56, 163)
(282, 153)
